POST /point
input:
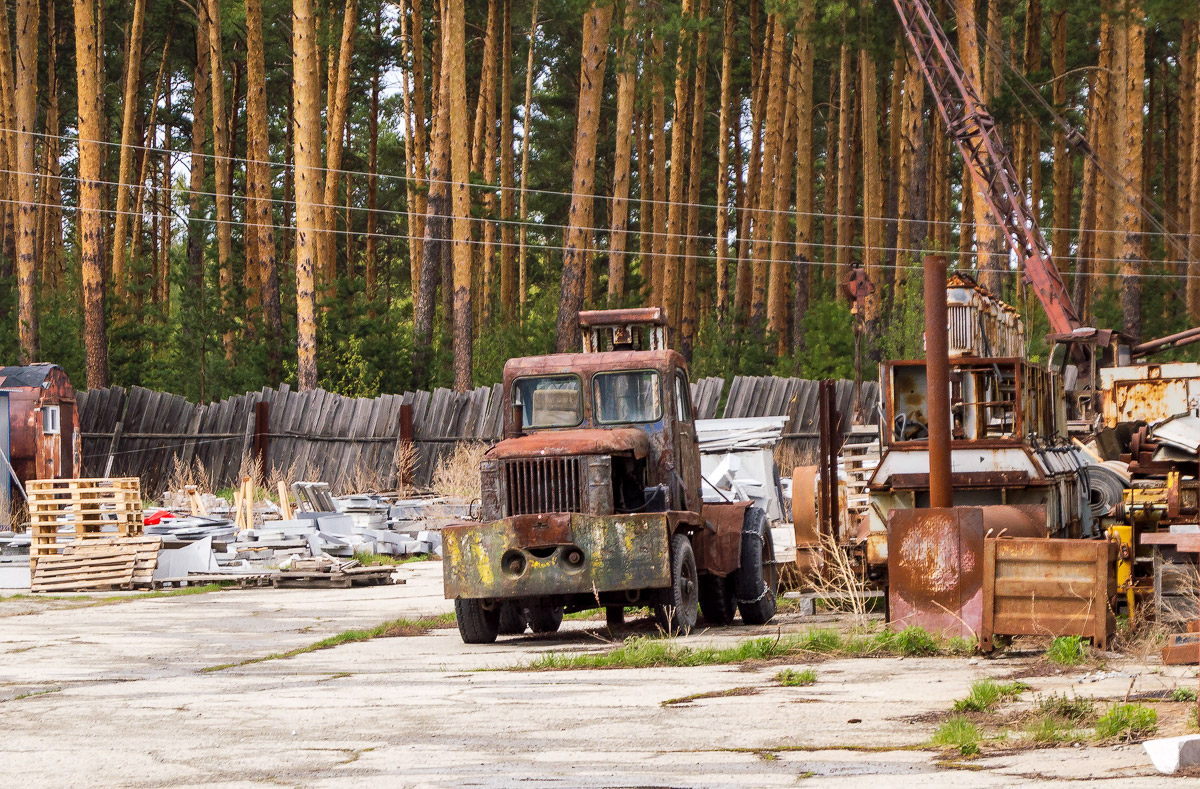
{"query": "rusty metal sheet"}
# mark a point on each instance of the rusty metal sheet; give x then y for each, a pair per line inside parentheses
(935, 570)
(587, 441)
(719, 551)
(603, 554)
(805, 518)
(1035, 586)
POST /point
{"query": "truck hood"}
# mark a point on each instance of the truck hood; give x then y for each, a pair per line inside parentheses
(585, 441)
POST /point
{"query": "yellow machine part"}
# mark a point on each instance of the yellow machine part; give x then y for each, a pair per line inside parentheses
(1123, 534)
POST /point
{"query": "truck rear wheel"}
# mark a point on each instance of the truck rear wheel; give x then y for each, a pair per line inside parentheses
(678, 613)
(544, 618)
(512, 619)
(756, 583)
(717, 602)
(476, 624)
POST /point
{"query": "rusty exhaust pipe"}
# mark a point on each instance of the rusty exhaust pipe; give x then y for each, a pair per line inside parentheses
(937, 378)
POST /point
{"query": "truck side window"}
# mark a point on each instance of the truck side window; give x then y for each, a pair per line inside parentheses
(683, 403)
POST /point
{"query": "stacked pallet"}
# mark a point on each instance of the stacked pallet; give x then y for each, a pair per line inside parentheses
(99, 564)
(860, 458)
(86, 506)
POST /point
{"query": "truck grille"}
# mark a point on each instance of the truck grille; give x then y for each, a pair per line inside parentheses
(539, 485)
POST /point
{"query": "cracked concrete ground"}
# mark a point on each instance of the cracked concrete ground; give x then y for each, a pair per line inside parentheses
(116, 695)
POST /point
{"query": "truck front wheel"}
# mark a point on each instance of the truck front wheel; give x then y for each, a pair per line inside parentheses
(476, 624)
(756, 583)
(678, 612)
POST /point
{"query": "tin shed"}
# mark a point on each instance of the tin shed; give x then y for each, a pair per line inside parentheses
(43, 422)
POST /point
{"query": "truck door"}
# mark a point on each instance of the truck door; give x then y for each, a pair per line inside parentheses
(686, 449)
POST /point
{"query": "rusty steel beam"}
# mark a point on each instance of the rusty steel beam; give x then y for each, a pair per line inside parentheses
(937, 381)
(1177, 340)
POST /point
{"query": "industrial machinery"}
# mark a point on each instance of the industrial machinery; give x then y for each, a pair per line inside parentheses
(593, 499)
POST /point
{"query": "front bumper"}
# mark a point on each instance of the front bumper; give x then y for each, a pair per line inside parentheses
(567, 553)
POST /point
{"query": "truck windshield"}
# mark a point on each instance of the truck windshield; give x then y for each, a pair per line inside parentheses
(629, 396)
(549, 400)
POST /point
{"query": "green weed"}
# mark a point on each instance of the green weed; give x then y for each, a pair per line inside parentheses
(791, 678)
(1073, 708)
(1126, 721)
(368, 559)
(1049, 729)
(1183, 694)
(911, 642)
(960, 733)
(986, 695)
(1068, 651)
(394, 628)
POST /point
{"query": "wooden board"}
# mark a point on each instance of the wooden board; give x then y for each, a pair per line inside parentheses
(113, 569)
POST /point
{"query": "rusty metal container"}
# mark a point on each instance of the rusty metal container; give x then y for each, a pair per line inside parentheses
(935, 563)
(1048, 587)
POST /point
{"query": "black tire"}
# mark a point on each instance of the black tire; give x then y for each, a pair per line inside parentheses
(512, 620)
(718, 605)
(679, 610)
(544, 618)
(614, 616)
(756, 583)
(476, 624)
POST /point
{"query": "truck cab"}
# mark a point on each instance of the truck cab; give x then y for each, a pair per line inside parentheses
(593, 498)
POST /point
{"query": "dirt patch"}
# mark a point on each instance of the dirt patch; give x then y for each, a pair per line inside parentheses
(712, 694)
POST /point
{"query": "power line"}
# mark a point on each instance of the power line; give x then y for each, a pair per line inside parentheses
(605, 250)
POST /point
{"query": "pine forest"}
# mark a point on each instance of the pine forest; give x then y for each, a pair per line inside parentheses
(209, 196)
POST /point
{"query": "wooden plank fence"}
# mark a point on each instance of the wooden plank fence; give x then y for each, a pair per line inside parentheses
(328, 437)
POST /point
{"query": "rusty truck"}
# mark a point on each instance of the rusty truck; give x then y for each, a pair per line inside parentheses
(593, 498)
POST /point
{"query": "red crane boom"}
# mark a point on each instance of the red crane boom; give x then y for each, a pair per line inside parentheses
(973, 130)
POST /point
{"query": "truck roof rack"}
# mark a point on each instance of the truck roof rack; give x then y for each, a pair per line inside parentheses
(633, 329)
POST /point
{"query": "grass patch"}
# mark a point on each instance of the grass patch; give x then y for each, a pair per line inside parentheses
(1068, 651)
(958, 733)
(1126, 721)
(1049, 729)
(394, 628)
(367, 559)
(33, 693)
(986, 695)
(1071, 708)
(791, 678)
(1183, 694)
(712, 694)
(651, 652)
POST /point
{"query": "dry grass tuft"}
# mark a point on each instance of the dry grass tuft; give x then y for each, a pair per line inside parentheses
(405, 461)
(457, 476)
(195, 473)
(841, 582)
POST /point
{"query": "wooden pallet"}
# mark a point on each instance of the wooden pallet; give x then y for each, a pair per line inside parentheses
(88, 506)
(240, 580)
(145, 550)
(337, 579)
(112, 569)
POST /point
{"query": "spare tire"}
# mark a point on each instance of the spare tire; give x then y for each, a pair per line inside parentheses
(756, 582)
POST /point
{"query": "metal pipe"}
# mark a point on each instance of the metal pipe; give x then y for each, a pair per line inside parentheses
(937, 379)
(1176, 340)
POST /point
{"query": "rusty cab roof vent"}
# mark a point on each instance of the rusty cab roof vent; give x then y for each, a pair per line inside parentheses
(633, 329)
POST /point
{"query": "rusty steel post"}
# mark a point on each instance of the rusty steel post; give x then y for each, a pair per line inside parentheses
(937, 378)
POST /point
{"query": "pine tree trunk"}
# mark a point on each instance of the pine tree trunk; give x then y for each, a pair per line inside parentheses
(619, 226)
(845, 192)
(454, 50)
(91, 224)
(872, 198)
(26, 106)
(675, 210)
(307, 140)
(129, 103)
(522, 266)
(658, 139)
(690, 319)
(773, 136)
(1193, 282)
(259, 205)
(416, 232)
(371, 273)
(1186, 132)
(9, 182)
(727, 113)
(487, 93)
(596, 22)
(339, 92)
(911, 137)
(780, 205)
(760, 79)
(508, 235)
(1063, 170)
(1129, 108)
(224, 186)
(163, 281)
(50, 243)
(805, 175)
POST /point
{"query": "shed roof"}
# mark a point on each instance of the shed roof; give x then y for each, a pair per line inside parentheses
(27, 376)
